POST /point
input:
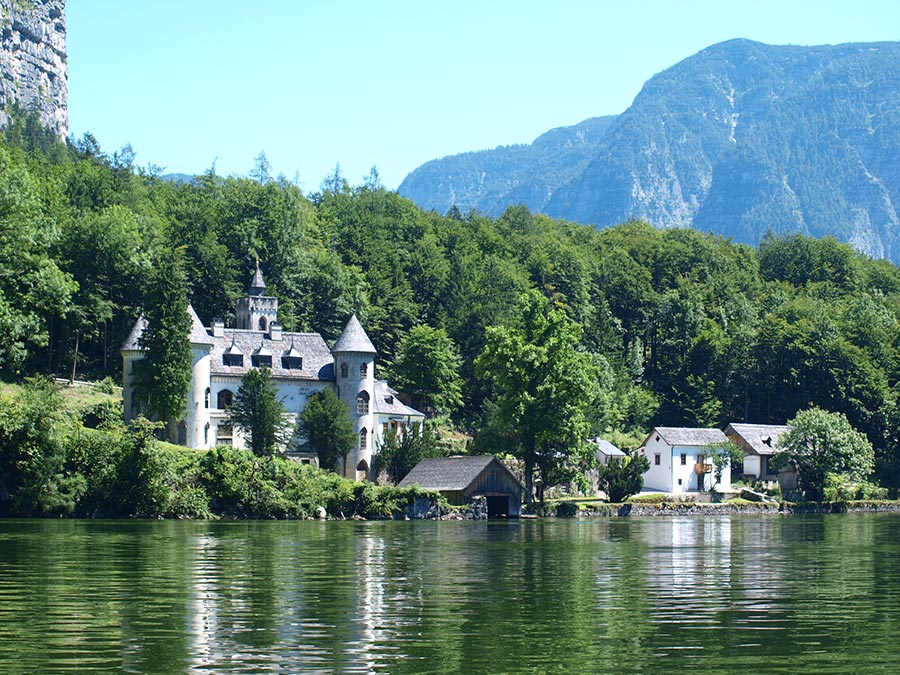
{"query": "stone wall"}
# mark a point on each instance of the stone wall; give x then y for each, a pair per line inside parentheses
(33, 69)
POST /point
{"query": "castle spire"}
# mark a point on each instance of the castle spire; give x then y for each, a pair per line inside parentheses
(257, 286)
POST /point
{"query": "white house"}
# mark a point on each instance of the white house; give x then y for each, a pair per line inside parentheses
(759, 442)
(680, 460)
(301, 364)
(606, 452)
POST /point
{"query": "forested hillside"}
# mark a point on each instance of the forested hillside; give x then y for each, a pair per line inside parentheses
(680, 327)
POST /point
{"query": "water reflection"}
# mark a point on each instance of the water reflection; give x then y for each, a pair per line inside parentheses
(769, 594)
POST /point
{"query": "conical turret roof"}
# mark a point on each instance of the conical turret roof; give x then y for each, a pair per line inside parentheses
(354, 339)
(257, 285)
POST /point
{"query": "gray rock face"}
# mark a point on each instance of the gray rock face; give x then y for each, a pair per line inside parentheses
(33, 69)
(740, 139)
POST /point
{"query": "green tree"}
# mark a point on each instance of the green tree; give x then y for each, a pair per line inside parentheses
(163, 376)
(398, 453)
(823, 442)
(427, 368)
(724, 455)
(259, 413)
(542, 387)
(325, 421)
(623, 478)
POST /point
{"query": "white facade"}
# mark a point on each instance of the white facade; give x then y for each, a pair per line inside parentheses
(680, 460)
(301, 364)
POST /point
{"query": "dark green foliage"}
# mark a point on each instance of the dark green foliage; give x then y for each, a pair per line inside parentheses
(623, 478)
(326, 424)
(34, 479)
(427, 368)
(399, 452)
(163, 376)
(259, 413)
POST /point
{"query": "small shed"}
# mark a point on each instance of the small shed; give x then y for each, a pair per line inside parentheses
(460, 479)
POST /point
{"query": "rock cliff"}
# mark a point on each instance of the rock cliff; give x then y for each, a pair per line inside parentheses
(33, 70)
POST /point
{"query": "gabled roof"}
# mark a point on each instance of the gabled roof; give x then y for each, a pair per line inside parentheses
(354, 339)
(688, 436)
(197, 336)
(607, 448)
(387, 402)
(450, 473)
(762, 438)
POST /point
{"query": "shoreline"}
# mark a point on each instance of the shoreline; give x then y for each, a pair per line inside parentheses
(725, 509)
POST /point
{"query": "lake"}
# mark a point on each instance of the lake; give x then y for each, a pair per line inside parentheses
(766, 594)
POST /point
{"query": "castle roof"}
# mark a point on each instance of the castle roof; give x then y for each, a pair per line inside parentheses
(387, 402)
(257, 285)
(197, 336)
(354, 339)
(318, 364)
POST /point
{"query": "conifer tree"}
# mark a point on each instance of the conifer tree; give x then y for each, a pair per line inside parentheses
(325, 421)
(259, 413)
(163, 376)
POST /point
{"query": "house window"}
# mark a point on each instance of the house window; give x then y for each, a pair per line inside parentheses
(362, 403)
(224, 434)
(224, 399)
(656, 459)
(206, 398)
(364, 371)
(363, 439)
(344, 370)
(683, 459)
(680, 482)
(262, 323)
(206, 434)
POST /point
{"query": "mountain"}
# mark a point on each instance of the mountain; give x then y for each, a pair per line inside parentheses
(489, 180)
(739, 139)
(33, 69)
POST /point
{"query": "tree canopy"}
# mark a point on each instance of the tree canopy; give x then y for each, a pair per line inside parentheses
(259, 413)
(326, 424)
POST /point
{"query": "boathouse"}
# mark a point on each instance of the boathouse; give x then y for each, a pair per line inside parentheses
(461, 479)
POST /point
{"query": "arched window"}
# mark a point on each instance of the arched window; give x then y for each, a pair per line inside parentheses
(362, 403)
(206, 398)
(362, 470)
(224, 399)
(364, 371)
(363, 439)
(344, 370)
(262, 323)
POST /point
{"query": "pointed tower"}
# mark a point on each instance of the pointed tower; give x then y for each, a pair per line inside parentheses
(256, 311)
(354, 372)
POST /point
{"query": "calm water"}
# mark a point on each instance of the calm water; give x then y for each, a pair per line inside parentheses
(800, 594)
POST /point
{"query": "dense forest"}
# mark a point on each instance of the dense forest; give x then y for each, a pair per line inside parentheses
(680, 327)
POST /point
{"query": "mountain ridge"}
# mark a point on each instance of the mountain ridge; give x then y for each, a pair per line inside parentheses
(740, 139)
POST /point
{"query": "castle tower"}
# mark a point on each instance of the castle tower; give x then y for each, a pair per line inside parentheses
(256, 311)
(354, 372)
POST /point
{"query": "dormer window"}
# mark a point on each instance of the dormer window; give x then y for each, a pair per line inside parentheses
(233, 360)
(261, 361)
(292, 363)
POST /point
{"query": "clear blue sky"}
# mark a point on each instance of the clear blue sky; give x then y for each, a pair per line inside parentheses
(394, 83)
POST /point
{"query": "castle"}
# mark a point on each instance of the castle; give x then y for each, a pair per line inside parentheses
(301, 364)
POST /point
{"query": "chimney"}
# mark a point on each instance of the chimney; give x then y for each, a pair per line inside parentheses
(218, 328)
(274, 331)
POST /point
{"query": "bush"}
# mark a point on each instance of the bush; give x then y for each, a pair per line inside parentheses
(840, 489)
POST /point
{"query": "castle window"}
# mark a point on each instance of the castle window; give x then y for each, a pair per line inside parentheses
(261, 361)
(224, 434)
(292, 363)
(262, 323)
(363, 439)
(362, 470)
(224, 399)
(363, 371)
(233, 360)
(362, 403)
(206, 398)
(344, 370)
